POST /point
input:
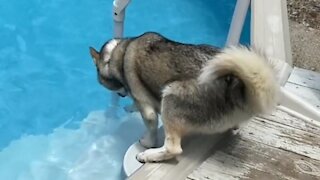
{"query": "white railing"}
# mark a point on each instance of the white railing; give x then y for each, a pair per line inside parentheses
(119, 11)
(238, 19)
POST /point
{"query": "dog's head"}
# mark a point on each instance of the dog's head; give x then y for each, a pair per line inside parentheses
(102, 61)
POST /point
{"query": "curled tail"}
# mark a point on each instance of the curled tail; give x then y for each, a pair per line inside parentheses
(261, 86)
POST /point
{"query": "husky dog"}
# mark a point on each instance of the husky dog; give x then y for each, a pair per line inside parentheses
(195, 88)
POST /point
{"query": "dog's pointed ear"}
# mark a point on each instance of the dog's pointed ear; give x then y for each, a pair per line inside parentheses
(94, 54)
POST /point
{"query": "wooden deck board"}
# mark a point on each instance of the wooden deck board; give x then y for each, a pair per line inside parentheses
(266, 148)
(245, 159)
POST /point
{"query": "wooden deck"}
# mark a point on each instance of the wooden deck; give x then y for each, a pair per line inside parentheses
(277, 146)
(274, 147)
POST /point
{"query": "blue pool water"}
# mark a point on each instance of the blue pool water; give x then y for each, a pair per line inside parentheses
(53, 118)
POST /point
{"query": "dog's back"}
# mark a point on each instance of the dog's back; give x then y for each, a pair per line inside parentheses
(160, 61)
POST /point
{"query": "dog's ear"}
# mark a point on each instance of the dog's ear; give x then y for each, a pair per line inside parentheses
(94, 54)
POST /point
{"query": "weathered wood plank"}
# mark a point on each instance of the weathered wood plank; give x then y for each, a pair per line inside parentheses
(278, 146)
(244, 159)
(293, 122)
(305, 78)
(312, 96)
(281, 136)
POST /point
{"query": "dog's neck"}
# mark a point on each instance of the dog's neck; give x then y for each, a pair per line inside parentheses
(117, 49)
(108, 49)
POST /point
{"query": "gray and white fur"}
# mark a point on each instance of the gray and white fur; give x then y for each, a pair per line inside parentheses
(195, 88)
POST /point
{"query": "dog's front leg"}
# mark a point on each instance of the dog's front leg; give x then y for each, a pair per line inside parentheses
(150, 118)
(170, 149)
(147, 104)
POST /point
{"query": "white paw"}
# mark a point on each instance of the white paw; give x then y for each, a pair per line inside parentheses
(141, 157)
(153, 155)
(149, 140)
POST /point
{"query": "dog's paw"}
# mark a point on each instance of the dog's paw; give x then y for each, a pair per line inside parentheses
(153, 155)
(149, 140)
(141, 157)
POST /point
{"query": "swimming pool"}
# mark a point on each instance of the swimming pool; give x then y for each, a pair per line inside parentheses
(52, 110)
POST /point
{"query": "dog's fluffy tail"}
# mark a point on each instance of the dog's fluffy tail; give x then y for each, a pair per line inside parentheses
(261, 86)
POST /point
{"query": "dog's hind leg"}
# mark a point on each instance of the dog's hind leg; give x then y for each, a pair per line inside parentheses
(170, 149)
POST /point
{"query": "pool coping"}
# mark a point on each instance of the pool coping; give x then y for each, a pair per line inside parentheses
(270, 33)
